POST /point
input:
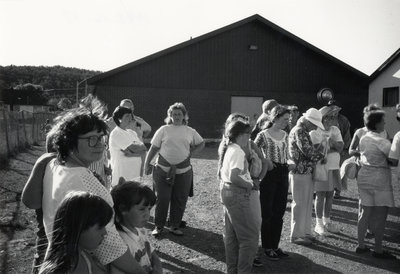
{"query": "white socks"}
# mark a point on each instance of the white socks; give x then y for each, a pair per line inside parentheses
(326, 220)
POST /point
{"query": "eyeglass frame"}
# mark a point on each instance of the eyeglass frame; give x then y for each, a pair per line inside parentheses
(98, 138)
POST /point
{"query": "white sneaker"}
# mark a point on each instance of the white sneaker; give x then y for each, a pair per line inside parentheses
(319, 229)
(332, 228)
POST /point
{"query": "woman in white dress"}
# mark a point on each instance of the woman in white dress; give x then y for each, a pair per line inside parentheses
(126, 149)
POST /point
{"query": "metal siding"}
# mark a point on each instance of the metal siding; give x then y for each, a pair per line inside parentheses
(216, 68)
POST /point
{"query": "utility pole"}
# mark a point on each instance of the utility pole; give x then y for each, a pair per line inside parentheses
(77, 90)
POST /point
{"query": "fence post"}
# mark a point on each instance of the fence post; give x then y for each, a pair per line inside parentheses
(24, 125)
(6, 131)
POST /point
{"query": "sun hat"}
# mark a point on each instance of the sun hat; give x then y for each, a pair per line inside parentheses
(314, 116)
(329, 110)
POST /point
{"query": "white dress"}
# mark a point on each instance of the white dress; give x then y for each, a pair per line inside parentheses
(121, 165)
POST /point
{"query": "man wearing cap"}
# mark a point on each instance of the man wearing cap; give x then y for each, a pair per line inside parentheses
(264, 117)
(138, 125)
(303, 157)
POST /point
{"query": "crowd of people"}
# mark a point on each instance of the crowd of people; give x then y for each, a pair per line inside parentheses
(92, 209)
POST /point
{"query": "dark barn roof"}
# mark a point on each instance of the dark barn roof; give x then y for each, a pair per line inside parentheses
(93, 80)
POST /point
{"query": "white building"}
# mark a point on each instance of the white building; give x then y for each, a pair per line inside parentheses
(384, 89)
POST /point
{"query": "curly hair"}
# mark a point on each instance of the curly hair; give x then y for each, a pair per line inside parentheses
(181, 107)
(69, 126)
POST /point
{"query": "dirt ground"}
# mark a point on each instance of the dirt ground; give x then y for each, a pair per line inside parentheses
(201, 249)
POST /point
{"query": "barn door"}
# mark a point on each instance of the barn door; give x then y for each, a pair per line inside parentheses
(250, 106)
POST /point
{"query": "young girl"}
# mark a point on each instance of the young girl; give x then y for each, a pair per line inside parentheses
(325, 189)
(238, 191)
(79, 228)
(132, 204)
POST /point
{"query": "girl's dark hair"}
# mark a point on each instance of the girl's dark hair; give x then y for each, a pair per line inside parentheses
(119, 112)
(181, 107)
(277, 112)
(77, 212)
(72, 123)
(372, 118)
(127, 194)
(232, 131)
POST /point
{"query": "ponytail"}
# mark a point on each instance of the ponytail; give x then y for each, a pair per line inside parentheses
(221, 153)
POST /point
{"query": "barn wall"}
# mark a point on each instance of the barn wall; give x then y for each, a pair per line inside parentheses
(206, 73)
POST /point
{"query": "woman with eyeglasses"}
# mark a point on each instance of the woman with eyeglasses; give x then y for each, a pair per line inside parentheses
(79, 140)
(126, 149)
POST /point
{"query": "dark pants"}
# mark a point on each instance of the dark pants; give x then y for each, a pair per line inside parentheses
(41, 242)
(174, 196)
(273, 198)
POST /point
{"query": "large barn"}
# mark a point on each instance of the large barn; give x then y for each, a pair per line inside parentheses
(234, 68)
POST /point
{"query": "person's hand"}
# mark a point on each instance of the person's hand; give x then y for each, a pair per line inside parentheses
(291, 167)
(148, 169)
(256, 184)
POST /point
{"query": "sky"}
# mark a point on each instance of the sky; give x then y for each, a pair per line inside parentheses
(105, 34)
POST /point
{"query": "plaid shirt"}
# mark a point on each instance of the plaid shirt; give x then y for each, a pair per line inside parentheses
(302, 152)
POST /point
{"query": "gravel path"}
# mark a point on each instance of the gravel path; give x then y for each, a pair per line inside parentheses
(201, 249)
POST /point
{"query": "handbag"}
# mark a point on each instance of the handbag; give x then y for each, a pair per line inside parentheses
(320, 172)
(255, 164)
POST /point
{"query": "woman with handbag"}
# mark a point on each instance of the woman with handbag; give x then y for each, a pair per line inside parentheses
(327, 174)
(273, 142)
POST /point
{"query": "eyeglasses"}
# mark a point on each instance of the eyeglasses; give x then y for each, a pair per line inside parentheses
(94, 140)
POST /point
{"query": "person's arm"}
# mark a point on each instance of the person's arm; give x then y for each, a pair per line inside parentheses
(127, 264)
(150, 155)
(239, 181)
(146, 128)
(156, 264)
(33, 190)
(336, 146)
(134, 150)
(353, 149)
(304, 144)
(196, 148)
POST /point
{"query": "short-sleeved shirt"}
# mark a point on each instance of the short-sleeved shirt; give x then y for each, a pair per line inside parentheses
(302, 152)
(395, 148)
(374, 150)
(139, 246)
(235, 158)
(273, 149)
(362, 131)
(58, 181)
(318, 135)
(174, 143)
(123, 166)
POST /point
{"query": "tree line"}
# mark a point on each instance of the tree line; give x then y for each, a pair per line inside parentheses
(40, 85)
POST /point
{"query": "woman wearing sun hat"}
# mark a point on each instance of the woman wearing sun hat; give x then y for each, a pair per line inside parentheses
(324, 187)
(302, 157)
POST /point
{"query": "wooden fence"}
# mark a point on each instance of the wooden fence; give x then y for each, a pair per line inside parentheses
(19, 130)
